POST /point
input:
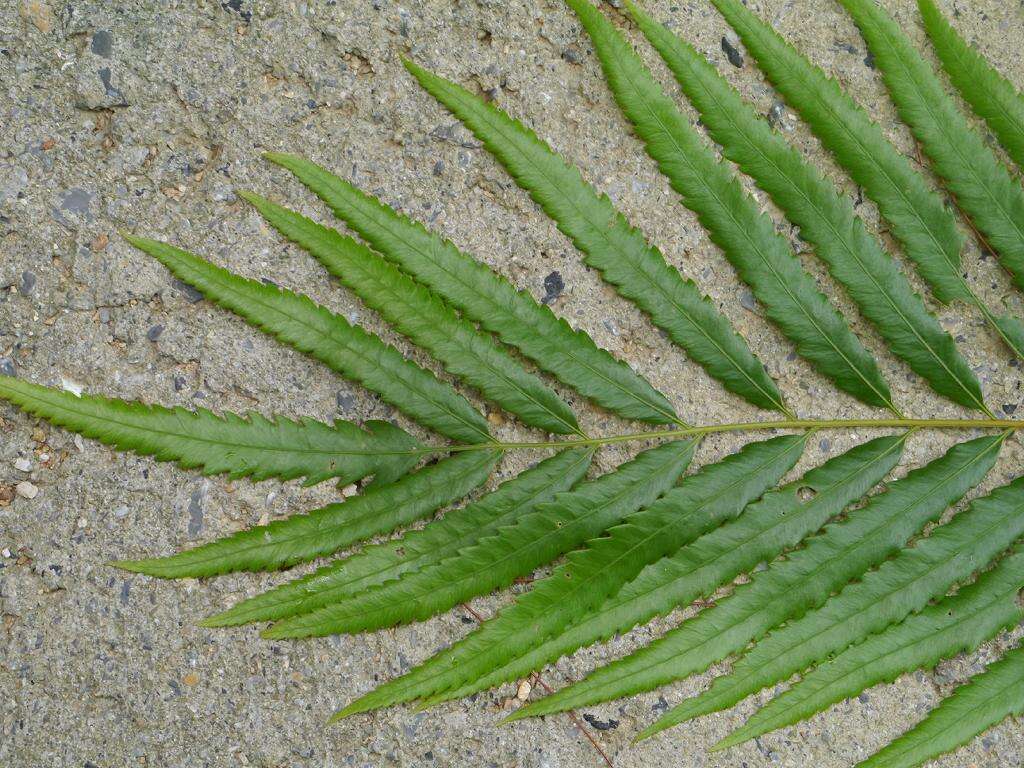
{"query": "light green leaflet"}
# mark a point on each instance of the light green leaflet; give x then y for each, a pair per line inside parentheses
(637, 270)
(979, 704)
(950, 626)
(423, 318)
(883, 596)
(347, 349)
(761, 256)
(300, 538)
(992, 97)
(916, 214)
(553, 529)
(826, 220)
(702, 501)
(238, 446)
(983, 187)
(487, 298)
(417, 551)
(790, 586)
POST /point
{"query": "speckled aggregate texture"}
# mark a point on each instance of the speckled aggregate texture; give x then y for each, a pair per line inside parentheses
(148, 115)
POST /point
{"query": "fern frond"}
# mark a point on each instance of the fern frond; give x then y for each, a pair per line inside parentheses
(552, 529)
(424, 319)
(993, 97)
(983, 187)
(715, 494)
(379, 509)
(953, 625)
(487, 298)
(898, 587)
(747, 237)
(555, 528)
(347, 349)
(919, 220)
(417, 550)
(610, 244)
(801, 581)
(984, 701)
(826, 220)
(238, 446)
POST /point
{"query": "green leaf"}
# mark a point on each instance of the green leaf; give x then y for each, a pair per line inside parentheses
(918, 218)
(993, 97)
(971, 709)
(487, 298)
(238, 446)
(747, 237)
(781, 519)
(983, 187)
(704, 501)
(636, 269)
(494, 561)
(428, 322)
(882, 597)
(804, 579)
(349, 350)
(953, 625)
(592, 575)
(826, 220)
(303, 537)
(537, 538)
(416, 550)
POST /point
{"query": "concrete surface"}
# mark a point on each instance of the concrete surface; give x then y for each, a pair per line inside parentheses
(148, 115)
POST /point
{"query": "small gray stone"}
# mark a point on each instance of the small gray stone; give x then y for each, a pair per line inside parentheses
(102, 43)
(7, 367)
(154, 333)
(76, 202)
(28, 282)
(730, 47)
(553, 287)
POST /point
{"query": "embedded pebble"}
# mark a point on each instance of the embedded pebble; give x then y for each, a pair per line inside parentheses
(23, 465)
(26, 490)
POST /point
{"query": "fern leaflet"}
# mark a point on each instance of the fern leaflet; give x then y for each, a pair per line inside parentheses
(983, 187)
(897, 588)
(747, 237)
(304, 537)
(487, 298)
(826, 220)
(417, 550)
(238, 446)
(993, 98)
(973, 707)
(637, 270)
(801, 581)
(553, 529)
(952, 625)
(423, 318)
(347, 349)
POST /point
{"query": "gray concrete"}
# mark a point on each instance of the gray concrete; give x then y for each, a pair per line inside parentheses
(148, 115)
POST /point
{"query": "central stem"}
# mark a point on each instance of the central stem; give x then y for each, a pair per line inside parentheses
(742, 426)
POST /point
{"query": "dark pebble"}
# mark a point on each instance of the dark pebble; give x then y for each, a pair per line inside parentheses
(195, 512)
(439, 167)
(28, 282)
(102, 43)
(345, 401)
(735, 57)
(236, 6)
(1009, 408)
(601, 725)
(7, 366)
(572, 55)
(191, 293)
(869, 60)
(661, 705)
(553, 287)
(179, 383)
(154, 333)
